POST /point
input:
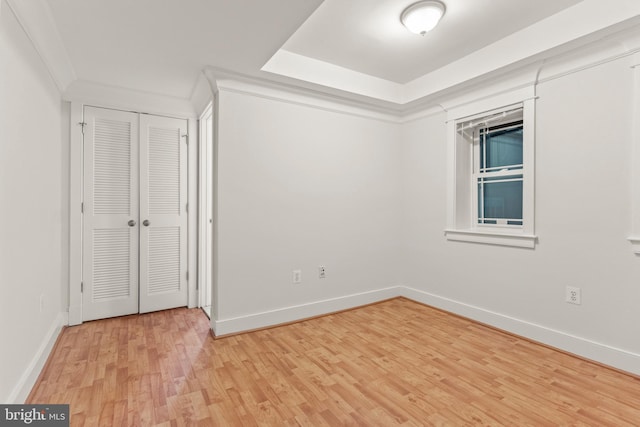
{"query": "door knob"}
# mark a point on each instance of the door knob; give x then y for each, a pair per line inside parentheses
(131, 223)
(146, 223)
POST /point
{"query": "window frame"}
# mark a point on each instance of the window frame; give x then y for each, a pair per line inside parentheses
(482, 176)
(462, 197)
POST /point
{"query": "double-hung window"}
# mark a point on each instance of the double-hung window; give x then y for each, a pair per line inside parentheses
(491, 176)
(498, 174)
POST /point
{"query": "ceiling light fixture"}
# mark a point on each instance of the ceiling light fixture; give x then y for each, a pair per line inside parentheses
(421, 17)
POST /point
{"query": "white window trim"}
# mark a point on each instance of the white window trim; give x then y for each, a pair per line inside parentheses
(461, 226)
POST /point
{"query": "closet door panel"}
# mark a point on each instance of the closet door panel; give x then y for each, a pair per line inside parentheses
(163, 213)
(110, 201)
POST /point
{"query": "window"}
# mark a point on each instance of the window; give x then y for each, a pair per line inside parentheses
(498, 165)
(491, 176)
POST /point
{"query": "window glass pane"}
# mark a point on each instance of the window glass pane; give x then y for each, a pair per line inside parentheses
(480, 198)
(500, 200)
(502, 147)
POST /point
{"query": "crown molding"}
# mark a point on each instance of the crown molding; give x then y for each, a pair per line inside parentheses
(202, 93)
(297, 98)
(229, 81)
(311, 70)
(100, 95)
(37, 21)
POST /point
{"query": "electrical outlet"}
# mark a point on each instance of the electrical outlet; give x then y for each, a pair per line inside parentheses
(322, 274)
(297, 276)
(573, 295)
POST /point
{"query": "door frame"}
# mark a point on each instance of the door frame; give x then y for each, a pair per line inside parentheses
(205, 249)
(139, 104)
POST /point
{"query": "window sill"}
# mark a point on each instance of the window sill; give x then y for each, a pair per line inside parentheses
(493, 238)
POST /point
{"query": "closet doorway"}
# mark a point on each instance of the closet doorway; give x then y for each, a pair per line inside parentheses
(134, 213)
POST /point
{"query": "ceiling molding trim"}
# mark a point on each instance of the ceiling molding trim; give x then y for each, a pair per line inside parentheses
(598, 52)
(37, 21)
(475, 107)
(617, 46)
(315, 71)
(423, 114)
(99, 95)
(231, 85)
(202, 93)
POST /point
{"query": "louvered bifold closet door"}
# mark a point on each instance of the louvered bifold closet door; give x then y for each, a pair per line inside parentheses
(110, 204)
(163, 213)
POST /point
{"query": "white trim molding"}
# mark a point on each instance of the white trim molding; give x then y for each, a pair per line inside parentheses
(265, 319)
(461, 225)
(76, 155)
(474, 236)
(37, 21)
(592, 350)
(205, 195)
(30, 375)
(119, 98)
(634, 239)
(236, 83)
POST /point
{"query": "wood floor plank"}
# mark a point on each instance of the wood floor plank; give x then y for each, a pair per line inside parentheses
(392, 363)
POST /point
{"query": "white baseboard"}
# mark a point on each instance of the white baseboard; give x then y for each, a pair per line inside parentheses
(30, 376)
(299, 312)
(598, 352)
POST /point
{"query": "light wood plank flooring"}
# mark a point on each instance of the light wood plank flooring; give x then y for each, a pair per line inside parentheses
(392, 363)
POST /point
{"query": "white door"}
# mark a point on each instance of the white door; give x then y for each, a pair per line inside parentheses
(134, 222)
(110, 229)
(163, 213)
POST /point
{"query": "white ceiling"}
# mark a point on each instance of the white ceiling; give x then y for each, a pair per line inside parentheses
(356, 49)
(161, 46)
(367, 36)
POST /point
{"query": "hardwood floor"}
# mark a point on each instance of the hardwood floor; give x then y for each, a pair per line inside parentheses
(393, 363)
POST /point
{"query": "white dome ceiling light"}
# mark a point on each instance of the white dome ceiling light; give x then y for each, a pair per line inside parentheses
(422, 17)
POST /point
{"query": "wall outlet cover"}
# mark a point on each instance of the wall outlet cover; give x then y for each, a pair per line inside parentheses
(573, 295)
(296, 276)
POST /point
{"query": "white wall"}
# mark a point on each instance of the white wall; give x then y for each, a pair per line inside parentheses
(583, 217)
(298, 187)
(30, 218)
